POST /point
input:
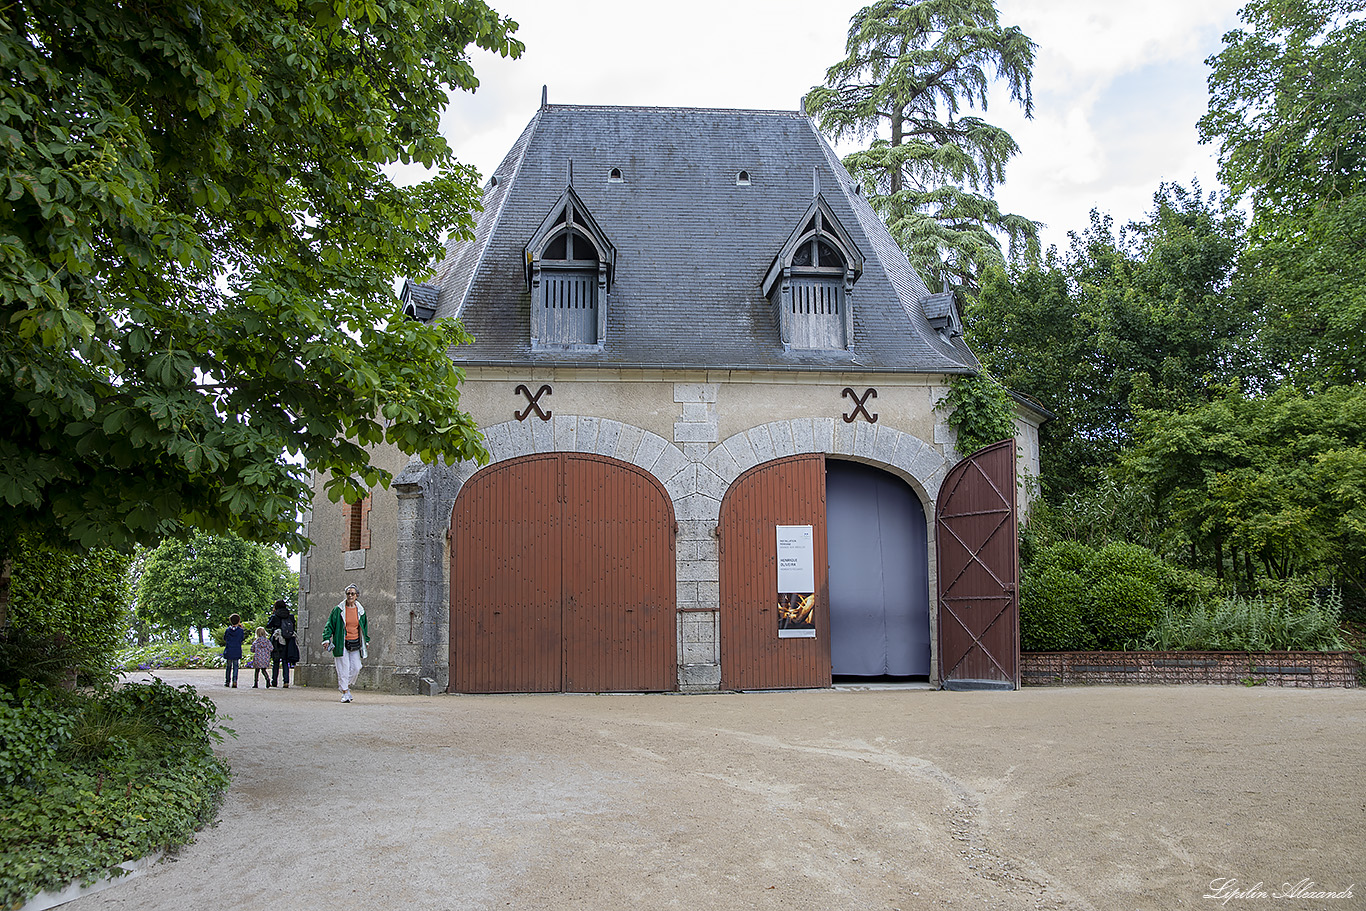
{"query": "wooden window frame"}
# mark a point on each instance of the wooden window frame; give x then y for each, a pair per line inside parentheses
(356, 525)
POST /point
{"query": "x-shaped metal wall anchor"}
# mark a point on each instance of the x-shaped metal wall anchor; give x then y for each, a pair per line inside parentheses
(534, 403)
(858, 405)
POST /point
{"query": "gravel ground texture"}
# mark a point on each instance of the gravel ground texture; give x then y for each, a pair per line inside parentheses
(1087, 798)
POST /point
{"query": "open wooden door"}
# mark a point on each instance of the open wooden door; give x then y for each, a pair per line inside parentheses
(978, 560)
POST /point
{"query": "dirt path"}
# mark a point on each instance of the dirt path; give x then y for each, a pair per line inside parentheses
(1103, 798)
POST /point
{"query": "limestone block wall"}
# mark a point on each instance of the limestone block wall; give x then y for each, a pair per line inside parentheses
(695, 433)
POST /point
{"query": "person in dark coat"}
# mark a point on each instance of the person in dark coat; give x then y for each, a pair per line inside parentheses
(284, 634)
(233, 638)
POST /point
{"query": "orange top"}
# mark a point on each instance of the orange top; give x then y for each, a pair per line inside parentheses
(352, 622)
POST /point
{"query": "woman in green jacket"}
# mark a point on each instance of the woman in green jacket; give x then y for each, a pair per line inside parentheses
(346, 635)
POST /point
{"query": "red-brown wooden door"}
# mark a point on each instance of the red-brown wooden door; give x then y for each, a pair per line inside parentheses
(619, 621)
(978, 567)
(562, 578)
(786, 492)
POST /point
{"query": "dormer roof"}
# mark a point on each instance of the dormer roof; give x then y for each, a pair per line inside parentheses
(569, 212)
(817, 220)
(692, 246)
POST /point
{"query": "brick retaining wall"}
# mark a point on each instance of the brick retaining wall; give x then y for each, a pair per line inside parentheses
(1270, 668)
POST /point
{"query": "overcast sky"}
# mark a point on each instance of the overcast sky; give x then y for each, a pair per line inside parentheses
(1117, 87)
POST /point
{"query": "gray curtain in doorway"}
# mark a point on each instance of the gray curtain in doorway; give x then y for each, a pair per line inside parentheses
(879, 573)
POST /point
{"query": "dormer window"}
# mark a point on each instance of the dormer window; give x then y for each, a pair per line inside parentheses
(614, 176)
(742, 179)
(811, 283)
(569, 291)
(418, 300)
(569, 265)
(941, 312)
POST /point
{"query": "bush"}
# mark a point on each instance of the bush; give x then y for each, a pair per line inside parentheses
(1076, 598)
(158, 655)
(64, 607)
(1051, 603)
(87, 782)
(33, 725)
(1125, 596)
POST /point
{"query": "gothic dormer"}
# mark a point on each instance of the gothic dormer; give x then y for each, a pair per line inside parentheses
(569, 272)
(811, 282)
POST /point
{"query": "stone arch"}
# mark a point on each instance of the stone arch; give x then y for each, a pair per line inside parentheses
(580, 433)
(912, 459)
(922, 466)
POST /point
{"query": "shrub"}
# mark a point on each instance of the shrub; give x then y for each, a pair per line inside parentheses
(1122, 608)
(1077, 598)
(1124, 597)
(1051, 605)
(169, 655)
(87, 782)
(64, 607)
(33, 724)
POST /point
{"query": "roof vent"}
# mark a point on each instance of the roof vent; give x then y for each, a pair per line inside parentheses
(742, 179)
(614, 175)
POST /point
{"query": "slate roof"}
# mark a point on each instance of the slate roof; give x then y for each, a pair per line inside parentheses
(692, 246)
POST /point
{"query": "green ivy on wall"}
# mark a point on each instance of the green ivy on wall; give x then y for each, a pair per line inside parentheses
(979, 409)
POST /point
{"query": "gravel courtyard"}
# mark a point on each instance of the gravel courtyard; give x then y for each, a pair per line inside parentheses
(1087, 798)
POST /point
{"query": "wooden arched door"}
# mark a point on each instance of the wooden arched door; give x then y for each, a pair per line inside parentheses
(562, 578)
(788, 492)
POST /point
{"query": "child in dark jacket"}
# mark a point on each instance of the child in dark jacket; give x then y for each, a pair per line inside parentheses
(233, 638)
(261, 647)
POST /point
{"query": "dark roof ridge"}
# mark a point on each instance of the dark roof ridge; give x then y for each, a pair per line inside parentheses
(680, 108)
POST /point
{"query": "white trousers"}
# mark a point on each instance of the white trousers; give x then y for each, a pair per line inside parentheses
(348, 668)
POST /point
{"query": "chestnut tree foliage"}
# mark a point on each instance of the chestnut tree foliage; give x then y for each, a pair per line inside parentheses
(915, 71)
(198, 249)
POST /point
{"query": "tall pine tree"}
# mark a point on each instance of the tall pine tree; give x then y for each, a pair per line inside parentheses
(914, 70)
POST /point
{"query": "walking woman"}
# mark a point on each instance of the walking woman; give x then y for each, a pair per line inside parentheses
(346, 635)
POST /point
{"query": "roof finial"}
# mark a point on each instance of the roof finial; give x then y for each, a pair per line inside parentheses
(803, 104)
(571, 172)
(815, 182)
(545, 95)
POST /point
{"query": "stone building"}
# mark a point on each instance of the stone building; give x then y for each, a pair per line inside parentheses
(693, 337)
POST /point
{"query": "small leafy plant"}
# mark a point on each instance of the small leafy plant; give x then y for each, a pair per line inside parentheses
(1259, 624)
(88, 781)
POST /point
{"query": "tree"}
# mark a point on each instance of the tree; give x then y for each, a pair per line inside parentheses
(913, 68)
(196, 582)
(1288, 109)
(198, 249)
(1272, 485)
(67, 611)
(1148, 315)
(1286, 104)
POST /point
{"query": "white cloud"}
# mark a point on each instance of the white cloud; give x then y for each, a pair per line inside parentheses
(1118, 87)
